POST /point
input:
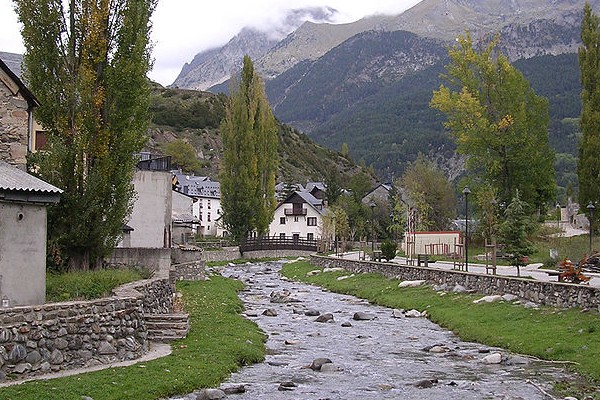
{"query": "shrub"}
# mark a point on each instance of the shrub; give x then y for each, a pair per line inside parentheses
(388, 249)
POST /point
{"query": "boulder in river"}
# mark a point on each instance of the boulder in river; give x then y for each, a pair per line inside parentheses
(325, 318)
(494, 358)
(287, 386)
(269, 312)
(318, 363)
(362, 316)
(426, 383)
(312, 313)
(210, 394)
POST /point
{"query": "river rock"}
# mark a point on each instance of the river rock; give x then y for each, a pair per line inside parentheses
(237, 389)
(346, 324)
(362, 316)
(313, 272)
(509, 297)
(414, 314)
(335, 269)
(312, 313)
(329, 367)
(488, 299)
(325, 318)
(398, 313)
(287, 386)
(411, 283)
(494, 358)
(269, 312)
(283, 296)
(210, 394)
(439, 349)
(342, 278)
(318, 363)
(459, 289)
(426, 383)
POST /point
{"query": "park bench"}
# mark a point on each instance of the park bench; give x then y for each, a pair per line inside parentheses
(422, 259)
(376, 255)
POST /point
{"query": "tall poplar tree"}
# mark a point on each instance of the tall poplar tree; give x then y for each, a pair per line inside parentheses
(86, 61)
(588, 169)
(498, 122)
(250, 157)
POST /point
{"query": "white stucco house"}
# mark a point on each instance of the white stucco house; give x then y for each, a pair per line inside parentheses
(182, 214)
(300, 215)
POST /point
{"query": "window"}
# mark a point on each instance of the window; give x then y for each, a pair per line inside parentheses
(208, 217)
(310, 236)
(209, 204)
(282, 220)
(282, 236)
(311, 221)
(295, 219)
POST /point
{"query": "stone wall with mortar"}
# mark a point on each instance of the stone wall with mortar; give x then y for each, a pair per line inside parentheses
(549, 293)
(14, 123)
(58, 336)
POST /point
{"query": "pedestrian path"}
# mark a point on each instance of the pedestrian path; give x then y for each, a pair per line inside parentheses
(533, 270)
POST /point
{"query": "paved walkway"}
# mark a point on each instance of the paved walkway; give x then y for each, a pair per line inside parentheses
(532, 270)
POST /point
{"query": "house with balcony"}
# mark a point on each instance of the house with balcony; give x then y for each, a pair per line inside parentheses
(299, 216)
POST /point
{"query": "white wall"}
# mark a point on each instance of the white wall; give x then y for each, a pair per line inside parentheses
(205, 207)
(23, 253)
(295, 224)
(151, 216)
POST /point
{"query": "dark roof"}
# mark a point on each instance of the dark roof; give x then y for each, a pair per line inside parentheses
(18, 185)
(14, 61)
(25, 92)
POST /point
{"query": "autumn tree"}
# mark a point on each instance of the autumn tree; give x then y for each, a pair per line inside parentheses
(498, 122)
(430, 195)
(86, 61)
(588, 168)
(183, 155)
(250, 158)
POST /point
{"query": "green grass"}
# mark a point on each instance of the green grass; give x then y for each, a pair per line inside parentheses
(547, 333)
(220, 340)
(89, 285)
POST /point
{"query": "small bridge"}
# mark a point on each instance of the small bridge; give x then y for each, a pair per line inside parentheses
(279, 243)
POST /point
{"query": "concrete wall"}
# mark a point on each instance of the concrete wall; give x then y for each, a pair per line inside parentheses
(22, 253)
(151, 216)
(14, 123)
(548, 293)
(153, 259)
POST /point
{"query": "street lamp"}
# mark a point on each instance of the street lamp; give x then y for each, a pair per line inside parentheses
(466, 192)
(372, 205)
(591, 209)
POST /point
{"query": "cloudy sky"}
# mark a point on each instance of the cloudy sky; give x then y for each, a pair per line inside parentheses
(183, 28)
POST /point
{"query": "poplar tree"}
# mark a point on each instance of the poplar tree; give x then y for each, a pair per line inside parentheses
(250, 157)
(498, 122)
(588, 169)
(86, 61)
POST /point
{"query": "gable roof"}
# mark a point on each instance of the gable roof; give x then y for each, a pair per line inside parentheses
(17, 185)
(308, 198)
(25, 92)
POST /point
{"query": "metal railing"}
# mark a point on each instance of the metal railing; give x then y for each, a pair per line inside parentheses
(278, 243)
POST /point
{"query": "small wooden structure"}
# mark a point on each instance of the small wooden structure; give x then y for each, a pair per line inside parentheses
(490, 256)
(458, 255)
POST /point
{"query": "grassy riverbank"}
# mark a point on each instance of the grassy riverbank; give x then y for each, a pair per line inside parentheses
(562, 335)
(220, 340)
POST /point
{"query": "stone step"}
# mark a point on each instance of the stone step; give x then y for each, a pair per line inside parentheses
(167, 317)
(167, 327)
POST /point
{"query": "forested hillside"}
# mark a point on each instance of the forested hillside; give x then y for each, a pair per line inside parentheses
(194, 117)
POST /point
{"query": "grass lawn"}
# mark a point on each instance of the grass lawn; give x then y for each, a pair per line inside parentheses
(220, 340)
(547, 333)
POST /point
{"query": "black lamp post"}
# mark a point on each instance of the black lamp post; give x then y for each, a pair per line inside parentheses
(372, 205)
(466, 192)
(591, 209)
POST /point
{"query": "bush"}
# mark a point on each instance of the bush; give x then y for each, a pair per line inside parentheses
(388, 249)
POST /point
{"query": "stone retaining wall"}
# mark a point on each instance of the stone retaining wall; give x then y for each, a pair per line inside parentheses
(276, 253)
(190, 271)
(549, 293)
(59, 336)
(153, 259)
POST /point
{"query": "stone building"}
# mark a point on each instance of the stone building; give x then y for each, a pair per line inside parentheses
(16, 118)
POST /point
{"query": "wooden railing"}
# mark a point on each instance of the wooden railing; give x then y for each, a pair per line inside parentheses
(278, 243)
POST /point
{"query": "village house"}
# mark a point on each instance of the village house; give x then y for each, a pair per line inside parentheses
(184, 223)
(23, 199)
(300, 215)
(207, 207)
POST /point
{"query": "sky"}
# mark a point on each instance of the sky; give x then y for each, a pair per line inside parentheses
(183, 28)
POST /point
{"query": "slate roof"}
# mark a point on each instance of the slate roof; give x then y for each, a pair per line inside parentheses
(32, 101)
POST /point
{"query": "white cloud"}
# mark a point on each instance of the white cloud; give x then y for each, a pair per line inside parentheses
(183, 28)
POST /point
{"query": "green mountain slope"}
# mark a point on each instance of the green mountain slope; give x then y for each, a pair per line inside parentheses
(195, 116)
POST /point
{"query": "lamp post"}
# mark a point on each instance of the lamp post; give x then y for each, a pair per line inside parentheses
(591, 209)
(372, 205)
(466, 191)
